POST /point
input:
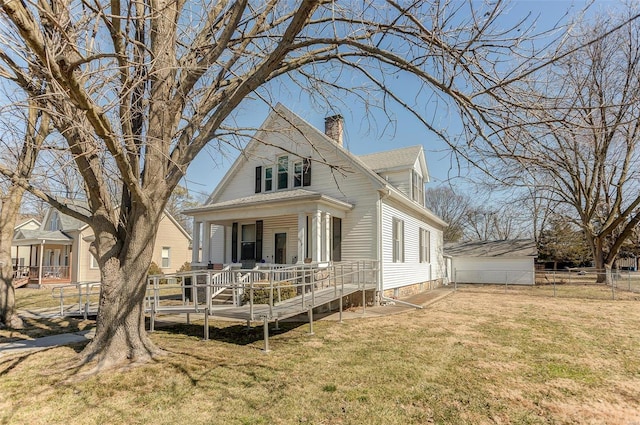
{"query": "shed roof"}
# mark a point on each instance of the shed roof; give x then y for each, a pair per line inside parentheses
(500, 248)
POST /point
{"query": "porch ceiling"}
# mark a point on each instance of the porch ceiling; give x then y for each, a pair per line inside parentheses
(271, 204)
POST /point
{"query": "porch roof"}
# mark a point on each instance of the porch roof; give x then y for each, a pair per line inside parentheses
(273, 203)
(36, 237)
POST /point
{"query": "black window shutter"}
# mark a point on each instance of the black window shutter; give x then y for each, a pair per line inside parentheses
(337, 239)
(259, 231)
(234, 243)
(306, 172)
(258, 179)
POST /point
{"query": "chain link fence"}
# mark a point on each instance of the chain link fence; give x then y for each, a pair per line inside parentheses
(625, 285)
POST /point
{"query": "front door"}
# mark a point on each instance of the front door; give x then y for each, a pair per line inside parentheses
(281, 248)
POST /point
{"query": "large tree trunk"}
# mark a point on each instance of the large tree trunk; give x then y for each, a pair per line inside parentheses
(121, 335)
(10, 207)
(603, 267)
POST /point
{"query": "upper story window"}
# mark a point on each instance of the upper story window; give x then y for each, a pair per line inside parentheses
(54, 221)
(297, 174)
(283, 172)
(268, 179)
(417, 187)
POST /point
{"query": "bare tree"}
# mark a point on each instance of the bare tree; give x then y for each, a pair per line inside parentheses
(138, 89)
(576, 131)
(450, 206)
(35, 130)
(500, 223)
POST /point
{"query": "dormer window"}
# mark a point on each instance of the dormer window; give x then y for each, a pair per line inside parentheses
(417, 187)
(54, 221)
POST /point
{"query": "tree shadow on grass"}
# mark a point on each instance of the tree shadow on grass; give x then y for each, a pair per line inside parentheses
(233, 334)
(42, 326)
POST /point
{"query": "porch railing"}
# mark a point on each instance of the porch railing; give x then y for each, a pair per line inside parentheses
(50, 272)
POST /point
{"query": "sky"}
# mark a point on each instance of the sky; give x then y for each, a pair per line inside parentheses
(208, 169)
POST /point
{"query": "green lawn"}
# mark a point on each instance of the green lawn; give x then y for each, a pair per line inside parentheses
(472, 358)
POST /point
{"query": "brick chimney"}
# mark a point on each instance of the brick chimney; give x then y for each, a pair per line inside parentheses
(333, 128)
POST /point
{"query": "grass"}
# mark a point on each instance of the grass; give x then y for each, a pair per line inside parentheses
(472, 358)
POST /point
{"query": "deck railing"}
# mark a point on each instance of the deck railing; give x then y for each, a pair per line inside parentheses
(263, 284)
(81, 295)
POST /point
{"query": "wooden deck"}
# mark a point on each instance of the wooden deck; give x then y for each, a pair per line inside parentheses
(316, 285)
(288, 308)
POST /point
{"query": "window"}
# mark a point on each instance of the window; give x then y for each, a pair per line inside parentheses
(283, 172)
(268, 179)
(248, 242)
(166, 257)
(306, 172)
(425, 246)
(54, 222)
(398, 241)
(297, 174)
(417, 187)
(94, 262)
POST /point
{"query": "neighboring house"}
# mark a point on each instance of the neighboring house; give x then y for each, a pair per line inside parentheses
(20, 255)
(58, 250)
(504, 261)
(296, 195)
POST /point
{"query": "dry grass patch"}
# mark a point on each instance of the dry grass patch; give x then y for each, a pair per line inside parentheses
(472, 358)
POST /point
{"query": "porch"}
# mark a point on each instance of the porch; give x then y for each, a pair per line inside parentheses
(294, 227)
(42, 261)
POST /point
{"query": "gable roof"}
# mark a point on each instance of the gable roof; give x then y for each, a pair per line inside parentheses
(27, 222)
(318, 138)
(68, 223)
(499, 248)
(394, 159)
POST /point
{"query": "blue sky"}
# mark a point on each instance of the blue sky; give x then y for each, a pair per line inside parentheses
(361, 137)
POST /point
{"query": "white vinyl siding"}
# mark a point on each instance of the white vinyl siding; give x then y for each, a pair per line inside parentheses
(359, 224)
(412, 271)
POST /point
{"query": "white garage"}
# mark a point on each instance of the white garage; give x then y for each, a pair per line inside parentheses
(497, 262)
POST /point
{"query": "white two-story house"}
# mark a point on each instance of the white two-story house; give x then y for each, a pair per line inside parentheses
(296, 195)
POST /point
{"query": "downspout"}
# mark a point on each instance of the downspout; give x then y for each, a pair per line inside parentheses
(384, 192)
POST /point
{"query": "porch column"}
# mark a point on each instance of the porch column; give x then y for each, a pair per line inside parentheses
(316, 236)
(206, 242)
(195, 252)
(40, 261)
(326, 239)
(302, 236)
